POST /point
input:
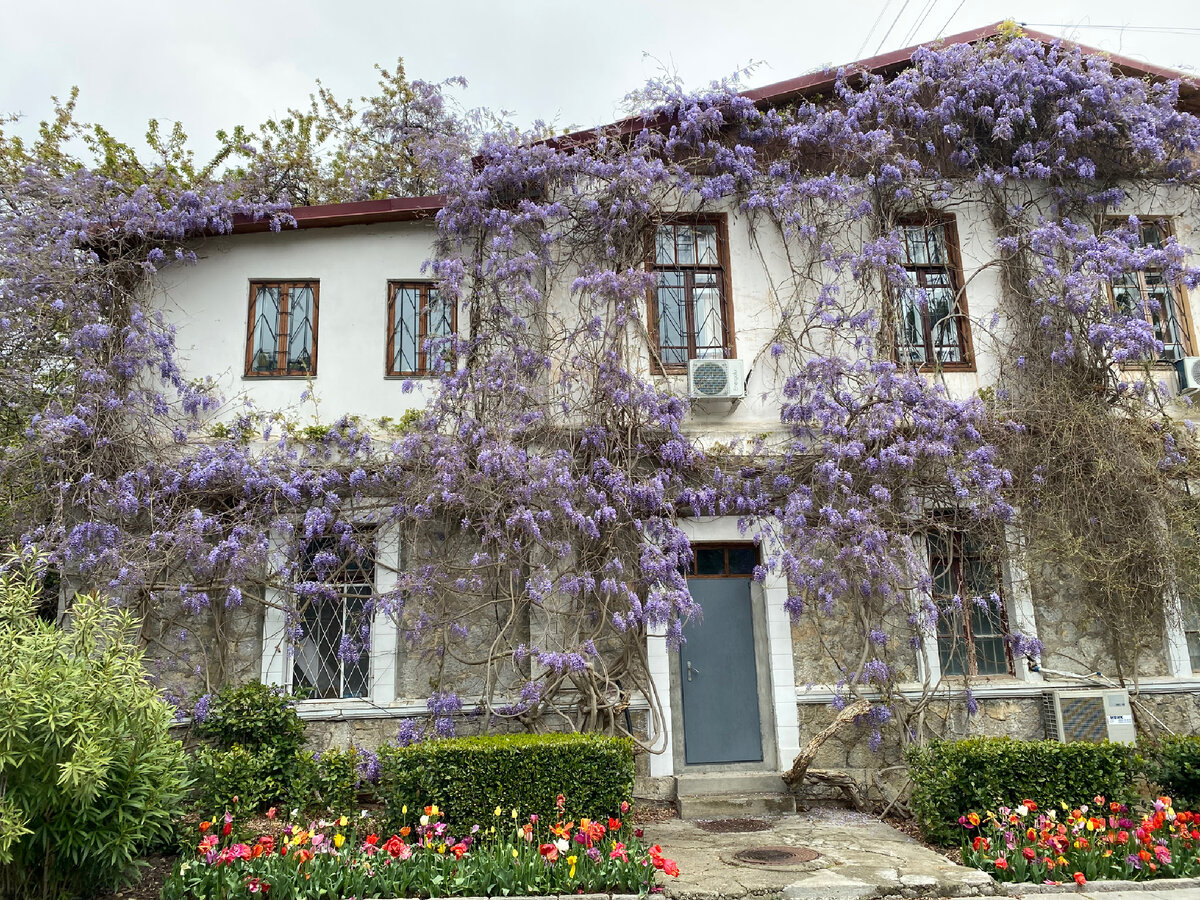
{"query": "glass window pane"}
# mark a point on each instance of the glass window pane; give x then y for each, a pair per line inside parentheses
(990, 656)
(300, 328)
(664, 245)
(672, 318)
(405, 318)
(710, 327)
(935, 241)
(710, 560)
(914, 242)
(912, 327)
(950, 644)
(706, 245)
(1193, 642)
(266, 324)
(440, 315)
(742, 560)
(685, 245)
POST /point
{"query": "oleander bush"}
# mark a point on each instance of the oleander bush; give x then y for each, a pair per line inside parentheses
(90, 777)
(952, 778)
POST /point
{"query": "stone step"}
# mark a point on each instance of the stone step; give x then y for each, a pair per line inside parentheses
(733, 806)
(698, 783)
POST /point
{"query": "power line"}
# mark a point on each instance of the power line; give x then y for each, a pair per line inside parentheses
(951, 19)
(874, 25)
(896, 20)
(912, 32)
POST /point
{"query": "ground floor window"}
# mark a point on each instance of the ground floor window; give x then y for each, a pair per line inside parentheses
(971, 622)
(332, 655)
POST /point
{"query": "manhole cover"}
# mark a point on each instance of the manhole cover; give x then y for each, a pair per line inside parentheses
(730, 826)
(776, 856)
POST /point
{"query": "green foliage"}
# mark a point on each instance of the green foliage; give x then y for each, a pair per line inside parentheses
(1174, 764)
(257, 753)
(469, 777)
(334, 782)
(952, 778)
(90, 774)
(250, 780)
(252, 715)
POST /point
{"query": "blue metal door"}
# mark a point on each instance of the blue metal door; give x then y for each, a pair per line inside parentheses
(718, 675)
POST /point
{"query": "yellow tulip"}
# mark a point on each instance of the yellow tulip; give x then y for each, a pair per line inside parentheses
(571, 862)
(514, 814)
(497, 812)
(338, 840)
(342, 822)
(515, 854)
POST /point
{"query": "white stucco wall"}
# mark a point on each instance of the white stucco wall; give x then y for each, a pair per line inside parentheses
(209, 303)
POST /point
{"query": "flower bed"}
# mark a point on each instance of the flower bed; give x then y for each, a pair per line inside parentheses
(511, 855)
(1087, 843)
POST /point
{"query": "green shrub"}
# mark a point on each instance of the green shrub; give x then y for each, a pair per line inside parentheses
(469, 777)
(256, 752)
(250, 715)
(250, 780)
(90, 774)
(337, 782)
(951, 778)
(1174, 764)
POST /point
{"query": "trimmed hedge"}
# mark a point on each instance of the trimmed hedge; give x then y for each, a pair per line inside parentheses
(951, 778)
(1173, 763)
(467, 778)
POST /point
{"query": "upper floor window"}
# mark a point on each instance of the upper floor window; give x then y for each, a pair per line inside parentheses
(690, 311)
(932, 309)
(417, 319)
(1148, 294)
(971, 620)
(282, 335)
(332, 659)
(1191, 631)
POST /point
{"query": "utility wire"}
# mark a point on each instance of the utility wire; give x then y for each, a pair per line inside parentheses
(874, 25)
(951, 19)
(912, 32)
(1154, 29)
(895, 21)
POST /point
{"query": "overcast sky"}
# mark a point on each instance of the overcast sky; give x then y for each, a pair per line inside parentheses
(220, 63)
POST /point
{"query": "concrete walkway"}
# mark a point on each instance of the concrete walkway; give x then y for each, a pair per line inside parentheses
(860, 857)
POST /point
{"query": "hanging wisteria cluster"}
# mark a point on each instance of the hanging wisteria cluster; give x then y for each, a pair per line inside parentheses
(537, 500)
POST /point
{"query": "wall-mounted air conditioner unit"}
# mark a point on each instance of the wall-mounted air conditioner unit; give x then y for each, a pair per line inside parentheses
(1188, 370)
(716, 379)
(1094, 716)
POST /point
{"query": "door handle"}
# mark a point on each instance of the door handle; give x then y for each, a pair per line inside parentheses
(691, 670)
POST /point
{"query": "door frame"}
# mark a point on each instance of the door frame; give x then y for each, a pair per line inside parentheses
(778, 704)
(762, 672)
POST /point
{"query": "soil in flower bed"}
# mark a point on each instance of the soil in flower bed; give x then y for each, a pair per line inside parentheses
(647, 812)
(149, 886)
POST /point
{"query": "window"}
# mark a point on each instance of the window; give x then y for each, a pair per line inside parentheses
(282, 335)
(1191, 629)
(416, 316)
(932, 309)
(722, 561)
(1147, 294)
(690, 306)
(970, 639)
(332, 659)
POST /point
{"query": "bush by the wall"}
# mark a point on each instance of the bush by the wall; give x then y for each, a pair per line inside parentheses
(255, 753)
(90, 775)
(1174, 764)
(469, 777)
(951, 778)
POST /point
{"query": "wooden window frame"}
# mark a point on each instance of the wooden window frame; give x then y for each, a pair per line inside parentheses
(955, 539)
(720, 220)
(954, 270)
(423, 367)
(722, 545)
(1179, 291)
(283, 331)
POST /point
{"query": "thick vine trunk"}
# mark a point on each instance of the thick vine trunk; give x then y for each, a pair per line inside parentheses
(794, 776)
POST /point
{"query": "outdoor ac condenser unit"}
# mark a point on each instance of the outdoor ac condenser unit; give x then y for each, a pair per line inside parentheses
(716, 379)
(1188, 370)
(1094, 716)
